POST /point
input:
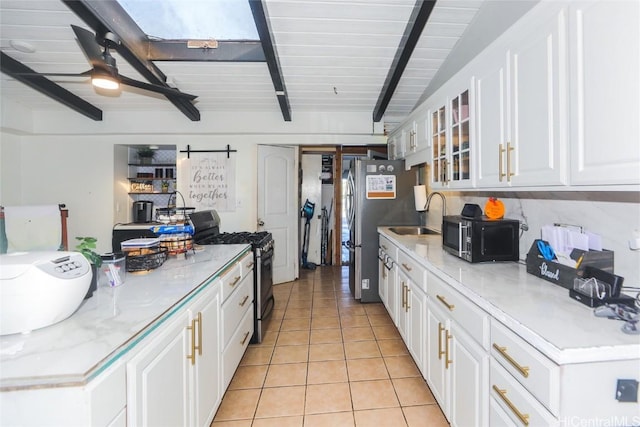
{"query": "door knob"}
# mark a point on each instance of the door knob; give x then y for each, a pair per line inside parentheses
(260, 223)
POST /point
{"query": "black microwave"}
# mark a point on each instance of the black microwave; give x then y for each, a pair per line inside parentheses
(481, 239)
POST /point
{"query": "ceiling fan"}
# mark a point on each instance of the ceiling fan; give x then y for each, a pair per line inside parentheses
(104, 72)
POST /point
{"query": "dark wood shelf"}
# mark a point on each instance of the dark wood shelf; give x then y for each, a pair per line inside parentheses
(151, 179)
(168, 165)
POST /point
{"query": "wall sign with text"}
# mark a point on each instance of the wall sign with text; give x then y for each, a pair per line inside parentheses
(208, 181)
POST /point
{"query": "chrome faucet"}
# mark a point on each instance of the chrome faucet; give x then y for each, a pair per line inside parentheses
(444, 202)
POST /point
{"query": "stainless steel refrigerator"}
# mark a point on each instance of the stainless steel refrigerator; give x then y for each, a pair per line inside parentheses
(379, 192)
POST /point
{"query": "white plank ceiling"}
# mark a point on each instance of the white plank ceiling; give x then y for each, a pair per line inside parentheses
(334, 55)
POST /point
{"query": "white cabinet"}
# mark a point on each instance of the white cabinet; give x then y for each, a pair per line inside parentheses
(450, 130)
(521, 103)
(101, 402)
(237, 315)
(604, 68)
(411, 307)
(387, 275)
(205, 373)
(158, 378)
(175, 378)
(457, 365)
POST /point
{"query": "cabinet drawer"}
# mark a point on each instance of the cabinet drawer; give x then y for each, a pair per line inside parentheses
(469, 316)
(107, 394)
(230, 280)
(247, 263)
(389, 248)
(528, 366)
(237, 345)
(515, 400)
(234, 309)
(413, 270)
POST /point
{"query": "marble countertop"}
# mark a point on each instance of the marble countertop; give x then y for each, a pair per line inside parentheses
(542, 313)
(110, 323)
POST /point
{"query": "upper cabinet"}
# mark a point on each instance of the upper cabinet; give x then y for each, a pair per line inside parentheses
(450, 133)
(552, 102)
(521, 105)
(605, 92)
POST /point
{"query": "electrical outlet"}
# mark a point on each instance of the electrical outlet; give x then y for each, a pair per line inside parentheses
(627, 391)
(365, 283)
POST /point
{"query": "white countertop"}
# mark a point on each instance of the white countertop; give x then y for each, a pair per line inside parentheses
(108, 324)
(542, 313)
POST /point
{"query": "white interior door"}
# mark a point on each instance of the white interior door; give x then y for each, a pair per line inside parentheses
(278, 207)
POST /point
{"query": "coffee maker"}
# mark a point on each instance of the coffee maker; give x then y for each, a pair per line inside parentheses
(142, 211)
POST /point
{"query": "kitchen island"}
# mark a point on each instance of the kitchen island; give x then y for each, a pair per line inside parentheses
(528, 353)
(100, 345)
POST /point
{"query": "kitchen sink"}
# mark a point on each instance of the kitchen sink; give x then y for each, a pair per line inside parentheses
(412, 230)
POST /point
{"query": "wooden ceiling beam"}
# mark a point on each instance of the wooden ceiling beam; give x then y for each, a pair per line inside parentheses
(226, 51)
(417, 21)
(30, 77)
(262, 25)
(108, 16)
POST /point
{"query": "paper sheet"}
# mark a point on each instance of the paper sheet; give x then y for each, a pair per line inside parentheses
(33, 228)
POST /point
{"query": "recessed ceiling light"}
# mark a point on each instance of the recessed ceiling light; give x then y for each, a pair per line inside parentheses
(21, 46)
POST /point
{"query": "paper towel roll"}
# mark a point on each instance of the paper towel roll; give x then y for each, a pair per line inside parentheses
(420, 196)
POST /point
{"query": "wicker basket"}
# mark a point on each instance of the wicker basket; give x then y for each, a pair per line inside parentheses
(152, 258)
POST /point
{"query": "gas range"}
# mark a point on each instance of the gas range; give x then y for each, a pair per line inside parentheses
(207, 232)
(260, 240)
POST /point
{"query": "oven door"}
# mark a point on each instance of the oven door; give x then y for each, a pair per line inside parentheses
(265, 301)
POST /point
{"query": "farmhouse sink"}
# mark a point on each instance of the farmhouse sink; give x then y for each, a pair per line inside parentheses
(412, 230)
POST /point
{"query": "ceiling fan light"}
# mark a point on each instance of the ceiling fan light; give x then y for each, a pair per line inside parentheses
(104, 81)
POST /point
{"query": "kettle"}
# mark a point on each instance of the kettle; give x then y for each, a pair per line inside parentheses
(142, 211)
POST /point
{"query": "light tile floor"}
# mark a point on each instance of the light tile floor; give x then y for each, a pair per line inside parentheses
(327, 360)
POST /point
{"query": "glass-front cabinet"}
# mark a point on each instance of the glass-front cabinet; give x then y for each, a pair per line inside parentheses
(450, 142)
(460, 154)
(439, 146)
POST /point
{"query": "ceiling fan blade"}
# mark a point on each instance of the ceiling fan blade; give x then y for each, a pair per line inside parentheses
(155, 88)
(90, 46)
(83, 74)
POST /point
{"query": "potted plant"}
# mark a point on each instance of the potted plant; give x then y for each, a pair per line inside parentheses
(86, 247)
(165, 186)
(145, 154)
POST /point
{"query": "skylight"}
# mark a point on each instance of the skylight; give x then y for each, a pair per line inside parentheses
(193, 19)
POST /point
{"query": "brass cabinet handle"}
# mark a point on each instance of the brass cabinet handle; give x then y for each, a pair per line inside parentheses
(384, 247)
(404, 298)
(444, 301)
(524, 418)
(447, 361)
(509, 172)
(250, 265)
(407, 267)
(440, 331)
(235, 281)
(407, 307)
(524, 370)
(501, 174)
(245, 338)
(244, 300)
(192, 328)
(199, 321)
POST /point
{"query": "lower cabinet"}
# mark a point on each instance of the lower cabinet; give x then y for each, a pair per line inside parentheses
(158, 378)
(457, 369)
(174, 379)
